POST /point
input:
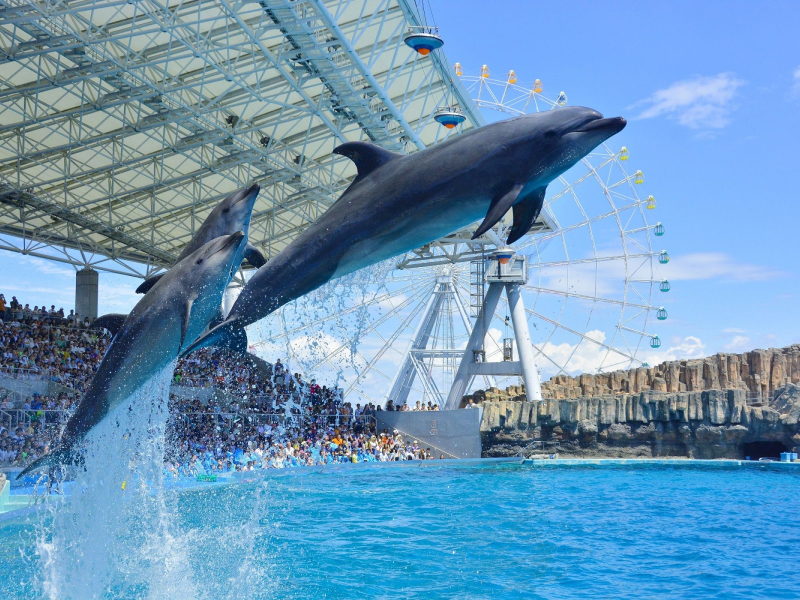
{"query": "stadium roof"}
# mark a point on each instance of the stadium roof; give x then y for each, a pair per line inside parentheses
(124, 122)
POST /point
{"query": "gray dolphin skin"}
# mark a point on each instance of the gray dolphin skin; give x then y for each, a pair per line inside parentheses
(398, 203)
(229, 216)
(169, 317)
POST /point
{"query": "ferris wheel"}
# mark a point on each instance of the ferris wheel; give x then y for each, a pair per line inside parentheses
(398, 330)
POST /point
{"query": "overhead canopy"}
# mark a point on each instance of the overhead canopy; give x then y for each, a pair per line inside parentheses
(123, 123)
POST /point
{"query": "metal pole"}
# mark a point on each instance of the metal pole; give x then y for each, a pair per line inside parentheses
(530, 374)
(461, 380)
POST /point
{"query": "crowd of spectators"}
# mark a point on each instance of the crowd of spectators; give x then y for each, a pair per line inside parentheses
(267, 417)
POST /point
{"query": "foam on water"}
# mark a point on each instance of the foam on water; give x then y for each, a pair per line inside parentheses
(120, 535)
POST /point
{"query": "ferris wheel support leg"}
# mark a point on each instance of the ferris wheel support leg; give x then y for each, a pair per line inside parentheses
(476, 338)
(530, 374)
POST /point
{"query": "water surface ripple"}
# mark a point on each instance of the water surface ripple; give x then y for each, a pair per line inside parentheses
(499, 531)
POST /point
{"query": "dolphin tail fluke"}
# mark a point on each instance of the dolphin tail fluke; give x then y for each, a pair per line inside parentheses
(254, 256)
(60, 457)
(499, 207)
(224, 335)
(145, 286)
(525, 213)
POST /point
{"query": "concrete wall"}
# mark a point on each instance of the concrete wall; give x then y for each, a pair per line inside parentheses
(454, 433)
(86, 292)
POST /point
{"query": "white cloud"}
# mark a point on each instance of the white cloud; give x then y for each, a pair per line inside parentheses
(733, 330)
(739, 343)
(686, 348)
(697, 103)
(117, 297)
(583, 357)
(48, 267)
(796, 78)
(713, 265)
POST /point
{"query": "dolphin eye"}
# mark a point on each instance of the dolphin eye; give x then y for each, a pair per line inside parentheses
(199, 261)
(550, 134)
(226, 210)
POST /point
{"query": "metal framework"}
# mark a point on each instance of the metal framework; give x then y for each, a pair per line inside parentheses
(124, 122)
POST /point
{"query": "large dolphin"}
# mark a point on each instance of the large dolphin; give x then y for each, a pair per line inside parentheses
(169, 318)
(398, 203)
(229, 216)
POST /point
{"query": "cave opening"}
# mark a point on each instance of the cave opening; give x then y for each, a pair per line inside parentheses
(763, 449)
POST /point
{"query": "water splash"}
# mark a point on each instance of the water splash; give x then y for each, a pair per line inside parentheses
(323, 329)
(121, 534)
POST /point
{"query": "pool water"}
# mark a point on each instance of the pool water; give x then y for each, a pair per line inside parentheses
(447, 531)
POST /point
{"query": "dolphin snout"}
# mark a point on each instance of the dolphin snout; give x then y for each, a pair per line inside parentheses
(234, 239)
(249, 193)
(613, 124)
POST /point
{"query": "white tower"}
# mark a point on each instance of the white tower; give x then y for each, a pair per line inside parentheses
(506, 271)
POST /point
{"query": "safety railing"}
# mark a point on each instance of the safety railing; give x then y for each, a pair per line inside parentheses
(41, 419)
(23, 374)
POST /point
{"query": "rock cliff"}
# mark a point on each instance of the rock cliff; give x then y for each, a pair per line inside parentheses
(759, 372)
(698, 424)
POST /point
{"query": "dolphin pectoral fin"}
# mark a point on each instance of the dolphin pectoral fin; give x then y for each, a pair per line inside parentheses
(525, 213)
(223, 335)
(367, 157)
(254, 256)
(112, 322)
(145, 286)
(497, 209)
(186, 316)
(236, 340)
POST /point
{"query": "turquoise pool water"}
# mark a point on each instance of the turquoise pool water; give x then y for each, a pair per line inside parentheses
(500, 531)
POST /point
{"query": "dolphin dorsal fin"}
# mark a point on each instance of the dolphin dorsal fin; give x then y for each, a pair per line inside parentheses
(367, 157)
(148, 283)
(111, 322)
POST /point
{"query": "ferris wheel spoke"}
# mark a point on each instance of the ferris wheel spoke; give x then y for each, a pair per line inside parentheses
(594, 259)
(387, 344)
(569, 187)
(574, 332)
(377, 323)
(555, 234)
(585, 297)
(386, 296)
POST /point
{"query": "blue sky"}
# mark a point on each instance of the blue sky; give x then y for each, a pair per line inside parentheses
(712, 94)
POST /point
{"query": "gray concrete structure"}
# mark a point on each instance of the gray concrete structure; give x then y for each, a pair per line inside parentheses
(86, 292)
(454, 433)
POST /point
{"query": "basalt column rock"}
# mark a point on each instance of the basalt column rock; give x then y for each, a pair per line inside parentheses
(698, 424)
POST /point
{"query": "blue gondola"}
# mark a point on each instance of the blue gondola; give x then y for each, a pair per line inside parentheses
(449, 116)
(423, 40)
(655, 342)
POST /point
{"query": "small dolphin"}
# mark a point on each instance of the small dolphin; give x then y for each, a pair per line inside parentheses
(169, 317)
(398, 203)
(229, 216)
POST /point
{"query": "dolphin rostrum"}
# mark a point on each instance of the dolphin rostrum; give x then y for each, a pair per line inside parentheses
(229, 216)
(167, 320)
(398, 203)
